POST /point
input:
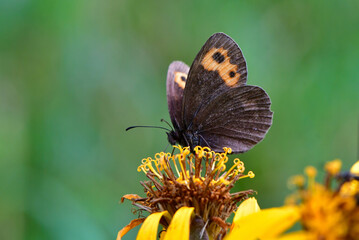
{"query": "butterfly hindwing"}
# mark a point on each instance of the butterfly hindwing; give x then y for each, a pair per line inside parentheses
(176, 81)
(218, 66)
(238, 118)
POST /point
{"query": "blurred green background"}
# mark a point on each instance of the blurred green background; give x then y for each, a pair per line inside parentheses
(75, 74)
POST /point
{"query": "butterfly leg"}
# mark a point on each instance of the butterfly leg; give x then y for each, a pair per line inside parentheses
(187, 142)
(166, 147)
(204, 140)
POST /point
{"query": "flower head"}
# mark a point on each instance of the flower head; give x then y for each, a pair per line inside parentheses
(189, 187)
(329, 211)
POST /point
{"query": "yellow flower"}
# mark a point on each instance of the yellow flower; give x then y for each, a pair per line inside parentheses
(328, 213)
(189, 195)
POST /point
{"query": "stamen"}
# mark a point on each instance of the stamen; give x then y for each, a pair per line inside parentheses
(146, 167)
(297, 181)
(250, 175)
(311, 173)
(175, 164)
(237, 164)
(333, 167)
(182, 162)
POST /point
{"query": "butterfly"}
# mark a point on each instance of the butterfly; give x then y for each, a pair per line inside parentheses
(210, 103)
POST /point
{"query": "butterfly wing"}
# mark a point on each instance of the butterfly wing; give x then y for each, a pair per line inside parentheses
(176, 80)
(218, 66)
(238, 118)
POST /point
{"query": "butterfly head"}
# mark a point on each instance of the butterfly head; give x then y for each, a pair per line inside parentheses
(173, 137)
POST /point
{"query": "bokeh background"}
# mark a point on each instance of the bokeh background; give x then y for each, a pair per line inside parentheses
(75, 74)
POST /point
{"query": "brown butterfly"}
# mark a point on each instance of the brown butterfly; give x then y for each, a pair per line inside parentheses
(210, 104)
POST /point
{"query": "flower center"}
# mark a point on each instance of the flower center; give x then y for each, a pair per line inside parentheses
(198, 180)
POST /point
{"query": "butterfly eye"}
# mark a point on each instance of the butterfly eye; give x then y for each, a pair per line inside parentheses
(183, 78)
(232, 74)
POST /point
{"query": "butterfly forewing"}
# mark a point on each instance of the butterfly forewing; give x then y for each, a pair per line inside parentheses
(176, 81)
(238, 118)
(218, 66)
(213, 106)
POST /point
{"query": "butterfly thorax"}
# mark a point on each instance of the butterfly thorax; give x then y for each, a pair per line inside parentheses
(184, 138)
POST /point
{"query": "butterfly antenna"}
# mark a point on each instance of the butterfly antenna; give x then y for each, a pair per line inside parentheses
(148, 127)
(162, 120)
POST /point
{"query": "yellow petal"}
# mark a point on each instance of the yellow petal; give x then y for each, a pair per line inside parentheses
(148, 230)
(299, 235)
(350, 188)
(266, 223)
(132, 224)
(180, 224)
(355, 168)
(246, 208)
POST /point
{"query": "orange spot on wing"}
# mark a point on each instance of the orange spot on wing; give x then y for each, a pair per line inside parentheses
(178, 79)
(224, 68)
